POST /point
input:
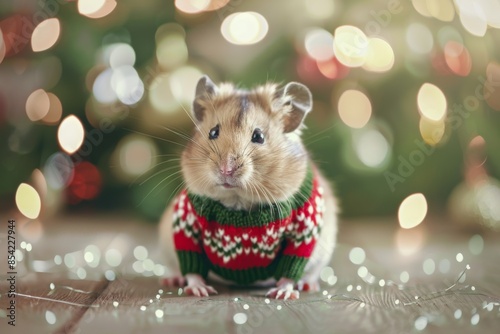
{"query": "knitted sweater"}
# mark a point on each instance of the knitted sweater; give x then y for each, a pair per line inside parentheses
(245, 246)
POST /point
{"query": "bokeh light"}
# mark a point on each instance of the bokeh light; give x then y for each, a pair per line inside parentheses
(171, 48)
(319, 44)
(354, 108)
(372, 148)
(421, 7)
(431, 102)
(419, 38)
(50, 317)
(183, 83)
(86, 182)
(45, 35)
(244, 28)
(432, 132)
(476, 244)
(449, 34)
(192, 6)
(96, 9)
(320, 9)
(102, 89)
(490, 88)
(86, 7)
(357, 255)
(350, 45)
(429, 266)
(39, 182)
(127, 85)
(472, 17)
(113, 257)
(54, 114)
(136, 155)
(442, 10)
(412, 211)
(71, 134)
(3, 49)
(28, 201)
(409, 242)
(161, 96)
(332, 69)
(379, 57)
(169, 92)
(491, 8)
(119, 54)
(58, 170)
(457, 58)
(37, 105)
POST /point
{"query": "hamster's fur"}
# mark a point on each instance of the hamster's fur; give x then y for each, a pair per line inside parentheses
(234, 169)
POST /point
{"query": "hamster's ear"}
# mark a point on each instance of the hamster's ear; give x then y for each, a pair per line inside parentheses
(299, 98)
(205, 88)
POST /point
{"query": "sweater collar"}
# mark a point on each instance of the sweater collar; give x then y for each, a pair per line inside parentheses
(214, 211)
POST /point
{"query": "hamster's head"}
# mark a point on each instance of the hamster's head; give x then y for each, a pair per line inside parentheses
(246, 148)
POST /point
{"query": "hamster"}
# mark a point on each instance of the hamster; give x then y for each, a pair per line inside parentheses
(256, 210)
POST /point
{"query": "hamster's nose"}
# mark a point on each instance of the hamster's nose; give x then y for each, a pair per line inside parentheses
(227, 170)
(228, 167)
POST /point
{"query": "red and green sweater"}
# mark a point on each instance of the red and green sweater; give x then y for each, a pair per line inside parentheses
(245, 246)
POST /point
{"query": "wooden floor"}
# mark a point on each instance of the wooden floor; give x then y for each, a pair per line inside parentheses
(410, 282)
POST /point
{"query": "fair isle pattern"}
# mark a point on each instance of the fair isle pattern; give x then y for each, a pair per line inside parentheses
(256, 242)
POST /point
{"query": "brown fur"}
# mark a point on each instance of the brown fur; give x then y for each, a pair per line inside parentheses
(265, 173)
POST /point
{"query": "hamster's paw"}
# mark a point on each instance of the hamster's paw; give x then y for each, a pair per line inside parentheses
(200, 290)
(284, 290)
(173, 281)
(196, 286)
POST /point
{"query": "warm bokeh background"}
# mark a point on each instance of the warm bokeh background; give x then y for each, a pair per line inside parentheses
(407, 98)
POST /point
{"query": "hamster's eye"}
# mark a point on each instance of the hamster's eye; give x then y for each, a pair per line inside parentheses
(258, 136)
(214, 132)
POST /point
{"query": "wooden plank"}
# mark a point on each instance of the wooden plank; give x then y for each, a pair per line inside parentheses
(48, 303)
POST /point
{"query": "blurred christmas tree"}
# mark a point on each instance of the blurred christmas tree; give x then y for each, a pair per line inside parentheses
(94, 94)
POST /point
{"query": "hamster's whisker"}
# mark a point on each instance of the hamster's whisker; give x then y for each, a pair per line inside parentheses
(155, 137)
(176, 189)
(159, 183)
(306, 140)
(184, 136)
(159, 172)
(152, 168)
(197, 127)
